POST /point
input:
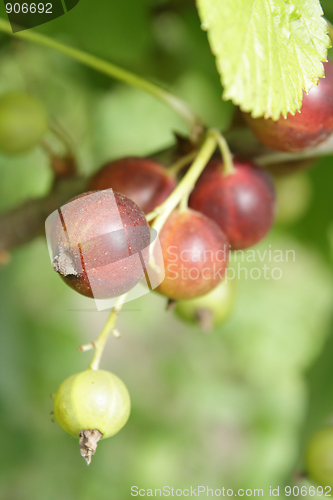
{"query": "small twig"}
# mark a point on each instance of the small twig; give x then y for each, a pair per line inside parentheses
(116, 333)
(27, 221)
(87, 347)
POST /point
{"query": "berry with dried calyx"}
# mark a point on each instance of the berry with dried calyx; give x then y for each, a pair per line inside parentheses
(100, 244)
(90, 406)
(209, 310)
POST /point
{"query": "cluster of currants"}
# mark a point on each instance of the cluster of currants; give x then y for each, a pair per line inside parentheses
(227, 209)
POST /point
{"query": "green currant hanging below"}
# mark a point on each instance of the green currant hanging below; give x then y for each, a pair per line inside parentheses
(209, 310)
(92, 405)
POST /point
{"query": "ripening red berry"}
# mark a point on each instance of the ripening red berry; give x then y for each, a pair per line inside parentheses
(144, 181)
(195, 254)
(100, 244)
(241, 203)
(306, 129)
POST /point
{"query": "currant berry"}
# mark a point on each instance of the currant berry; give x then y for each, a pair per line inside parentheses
(319, 457)
(92, 405)
(23, 122)
(144, 181)
(241, 203)
(306, 129)
(195, 254)
(100, 244)
(209, 310)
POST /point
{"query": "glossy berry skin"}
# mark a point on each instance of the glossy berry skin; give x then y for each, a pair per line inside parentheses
(319, 457)
(210, 310)
(100, 243)
(144, 181)
(241, 203)
(93, 399)
(23, 122)
(306, 129)
(195, 253)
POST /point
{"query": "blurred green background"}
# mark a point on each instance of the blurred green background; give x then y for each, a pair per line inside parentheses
(231, 409)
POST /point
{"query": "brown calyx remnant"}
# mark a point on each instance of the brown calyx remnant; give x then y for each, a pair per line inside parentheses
(63, 263)
(205, 319)
(88, 443)
(171, 304)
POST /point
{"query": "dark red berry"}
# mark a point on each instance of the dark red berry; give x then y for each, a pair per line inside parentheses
(306, 129)
(195, 253)
(100, 244)
(144, 181)
(241, 203)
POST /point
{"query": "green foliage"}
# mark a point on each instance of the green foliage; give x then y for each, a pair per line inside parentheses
(267, 52)
(229, 409)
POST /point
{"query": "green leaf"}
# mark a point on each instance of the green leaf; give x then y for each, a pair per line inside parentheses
(267, 51)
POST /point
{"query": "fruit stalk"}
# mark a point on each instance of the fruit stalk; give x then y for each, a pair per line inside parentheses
(187, 183)
(109, 326)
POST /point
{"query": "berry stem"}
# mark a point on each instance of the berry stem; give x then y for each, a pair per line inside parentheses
(181, 163)
(183, 205)
(228, 165)
(178, 105)
(109, 326)
(187, 184)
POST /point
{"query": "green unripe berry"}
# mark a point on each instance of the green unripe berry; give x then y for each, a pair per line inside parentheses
(23, 122)
(209, 310)
(319, 457)
(93, 401)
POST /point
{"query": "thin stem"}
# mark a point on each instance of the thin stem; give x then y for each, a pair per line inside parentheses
(181, 163)
(174, 102)
(187, 184)
(183, 205)
(175, 167)
(272, 157)
(61, 138)
(152, 215)
(99, 344)
(228, 165)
